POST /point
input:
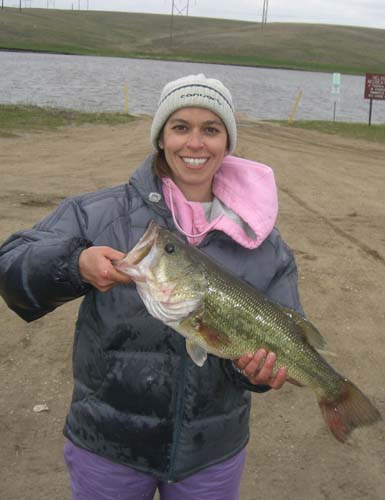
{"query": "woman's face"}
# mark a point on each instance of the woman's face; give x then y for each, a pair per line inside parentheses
(194, 141)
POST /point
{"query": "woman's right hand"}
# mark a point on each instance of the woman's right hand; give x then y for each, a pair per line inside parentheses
(96, 268)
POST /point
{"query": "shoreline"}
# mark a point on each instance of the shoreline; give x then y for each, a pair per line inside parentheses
(181, 59)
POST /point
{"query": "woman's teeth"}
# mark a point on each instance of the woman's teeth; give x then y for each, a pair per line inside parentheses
(195, 161)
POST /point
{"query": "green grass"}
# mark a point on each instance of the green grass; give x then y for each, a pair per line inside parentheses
(315, 47)
(15, 119)
(18, 119)
(374, 133)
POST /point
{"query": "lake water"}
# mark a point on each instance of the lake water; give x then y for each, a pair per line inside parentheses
(98, 84)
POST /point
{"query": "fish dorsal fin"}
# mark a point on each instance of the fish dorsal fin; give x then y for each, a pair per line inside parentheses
(197, 353)
(307, 329)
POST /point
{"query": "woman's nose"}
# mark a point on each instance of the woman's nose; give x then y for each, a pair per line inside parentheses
(195, 140)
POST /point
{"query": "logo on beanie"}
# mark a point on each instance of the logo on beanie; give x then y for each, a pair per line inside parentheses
(198, 94)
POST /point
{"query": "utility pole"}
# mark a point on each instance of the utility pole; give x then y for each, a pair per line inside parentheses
(182, 8)
(172, 20)
(264, 12)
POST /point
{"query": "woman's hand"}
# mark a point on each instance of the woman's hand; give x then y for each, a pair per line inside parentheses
(96, 268)
(259, 369)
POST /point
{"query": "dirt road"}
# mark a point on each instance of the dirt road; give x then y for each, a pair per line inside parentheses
(332, 213)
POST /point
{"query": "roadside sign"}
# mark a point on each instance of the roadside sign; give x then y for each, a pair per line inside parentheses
(374, 86)
(336, 91)
(336, 83)
(374, 90)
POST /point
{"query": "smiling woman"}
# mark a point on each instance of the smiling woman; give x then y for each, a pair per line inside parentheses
(143, 415)
(194, 141)
(193, 129)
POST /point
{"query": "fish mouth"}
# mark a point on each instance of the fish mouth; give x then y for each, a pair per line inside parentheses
(141, 250)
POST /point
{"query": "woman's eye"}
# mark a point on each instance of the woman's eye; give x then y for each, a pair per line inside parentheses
(179, 128)
(212, 130)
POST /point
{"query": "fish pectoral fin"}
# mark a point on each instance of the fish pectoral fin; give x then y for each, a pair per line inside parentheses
(197, 353)
(306, 328)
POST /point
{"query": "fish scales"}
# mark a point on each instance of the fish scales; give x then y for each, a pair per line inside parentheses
(220, 314)
(252, 322)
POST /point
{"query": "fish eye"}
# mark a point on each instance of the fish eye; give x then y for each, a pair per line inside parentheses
(169, 248)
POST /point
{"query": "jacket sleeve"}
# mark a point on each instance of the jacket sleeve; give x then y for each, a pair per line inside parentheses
(39, 266)
(283, 288)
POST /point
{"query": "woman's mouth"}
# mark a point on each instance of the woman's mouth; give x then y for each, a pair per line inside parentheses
(194, 162)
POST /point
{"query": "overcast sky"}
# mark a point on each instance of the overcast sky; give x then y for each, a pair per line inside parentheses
(347, 12)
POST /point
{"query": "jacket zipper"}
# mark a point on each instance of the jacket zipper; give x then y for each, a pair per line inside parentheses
(178, 414)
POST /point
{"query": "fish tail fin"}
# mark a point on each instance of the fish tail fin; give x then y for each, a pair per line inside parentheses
(350, 410)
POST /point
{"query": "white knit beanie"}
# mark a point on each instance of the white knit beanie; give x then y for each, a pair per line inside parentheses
(195, 91)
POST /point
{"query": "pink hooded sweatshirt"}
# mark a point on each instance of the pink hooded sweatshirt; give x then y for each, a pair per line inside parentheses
(245, 206)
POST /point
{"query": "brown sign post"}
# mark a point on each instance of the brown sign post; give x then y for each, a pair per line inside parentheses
(374, 89)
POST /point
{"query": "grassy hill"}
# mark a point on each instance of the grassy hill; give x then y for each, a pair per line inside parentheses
(342, 49)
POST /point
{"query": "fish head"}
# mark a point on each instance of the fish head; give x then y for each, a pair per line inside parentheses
(168, 274)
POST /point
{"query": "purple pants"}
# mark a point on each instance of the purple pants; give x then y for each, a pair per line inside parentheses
(96, 478)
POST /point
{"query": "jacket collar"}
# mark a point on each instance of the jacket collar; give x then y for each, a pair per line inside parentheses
(149, 187)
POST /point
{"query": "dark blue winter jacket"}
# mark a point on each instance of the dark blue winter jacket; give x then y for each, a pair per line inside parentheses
(138, 399)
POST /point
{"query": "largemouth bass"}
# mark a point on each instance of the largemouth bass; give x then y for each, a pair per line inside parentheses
(219, 314)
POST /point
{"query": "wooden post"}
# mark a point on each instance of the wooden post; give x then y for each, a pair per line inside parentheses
(370, 111)
(126, 98)
(292, 114)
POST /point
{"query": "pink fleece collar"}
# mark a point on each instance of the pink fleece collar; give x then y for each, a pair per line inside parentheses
(245, 187)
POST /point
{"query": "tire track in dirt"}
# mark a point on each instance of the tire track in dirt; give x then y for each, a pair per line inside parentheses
(352, 239)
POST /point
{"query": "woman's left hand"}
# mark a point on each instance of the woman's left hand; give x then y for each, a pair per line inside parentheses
(258, 368)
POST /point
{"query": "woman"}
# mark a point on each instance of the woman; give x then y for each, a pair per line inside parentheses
(143, 415)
